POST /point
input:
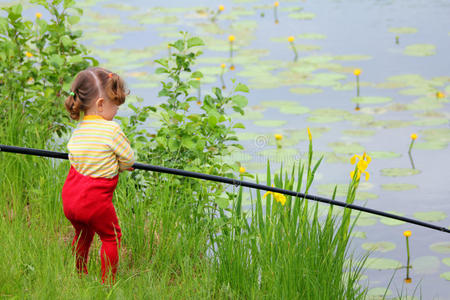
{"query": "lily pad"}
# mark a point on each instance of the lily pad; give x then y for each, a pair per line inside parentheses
(420, 50)
(325, 79)
(382, 263)
(371, 100)
(296, 110)
(305, 90)
(398, 186)
(431, 216)
(302, 16)
(379, 246)
(431, 145)
(353, 57)
(358, 234)
(359, 133)
(426, 265)
(346, 148)
(446, 276)
(403, 30)
(311, 36)
(442, 247)
(446, 261)
(384, 154)
(397, 172)
(379, 292)
(366, 221)
(390, 221)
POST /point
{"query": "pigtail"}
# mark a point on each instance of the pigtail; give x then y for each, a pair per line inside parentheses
(115, 89)
(73, 106)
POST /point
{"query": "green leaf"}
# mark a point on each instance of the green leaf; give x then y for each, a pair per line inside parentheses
(222, 202)
(241, 88)
(239, 125)
(163, 62)
(73, 20)
(178, 45)
(239, 100)
(161, 70)
(212, 121)
(66, 41)
(195, 41)
(197, 74)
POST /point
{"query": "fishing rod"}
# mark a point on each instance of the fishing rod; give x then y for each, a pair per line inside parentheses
(235, 182)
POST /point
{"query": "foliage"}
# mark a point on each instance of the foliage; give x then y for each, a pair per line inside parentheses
(38, 60)
(190, 138)
(284, 250)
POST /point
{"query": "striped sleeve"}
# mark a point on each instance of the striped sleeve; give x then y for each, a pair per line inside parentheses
(122, 149)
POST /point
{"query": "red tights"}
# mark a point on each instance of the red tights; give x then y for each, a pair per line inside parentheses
(87, 203)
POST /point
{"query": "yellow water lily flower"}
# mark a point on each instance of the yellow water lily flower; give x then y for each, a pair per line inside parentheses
(309, 134)
(413, 136)
(221, 7)
(361, 166)
(223, 66)
(231, 38)
(276, 4)
(278, 197)
(440, 95)
(241, 170)
(291, 39)
(38, 15)
(357, 72)
(407, 233)
(28, 54)
(278, 137)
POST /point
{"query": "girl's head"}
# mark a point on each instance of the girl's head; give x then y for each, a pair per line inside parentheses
(96, 91)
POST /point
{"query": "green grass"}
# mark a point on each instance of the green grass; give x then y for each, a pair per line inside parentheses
(176, 244)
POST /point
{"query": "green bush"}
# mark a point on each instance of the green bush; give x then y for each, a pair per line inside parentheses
(194, 141)
(38, 60)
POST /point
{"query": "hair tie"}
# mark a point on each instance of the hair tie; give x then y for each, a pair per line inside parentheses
(110, 75)
(72, 93)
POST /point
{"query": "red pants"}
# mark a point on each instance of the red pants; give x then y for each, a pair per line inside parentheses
(87, 203)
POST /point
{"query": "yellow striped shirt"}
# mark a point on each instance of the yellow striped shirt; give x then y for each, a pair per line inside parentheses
(99, 148)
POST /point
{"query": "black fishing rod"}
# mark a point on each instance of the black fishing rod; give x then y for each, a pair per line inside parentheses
(140, 166)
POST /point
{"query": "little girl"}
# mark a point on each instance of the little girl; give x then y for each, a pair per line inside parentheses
(98, 151)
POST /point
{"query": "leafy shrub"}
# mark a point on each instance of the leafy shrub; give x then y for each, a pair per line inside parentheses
(195, 141)
(38, 60)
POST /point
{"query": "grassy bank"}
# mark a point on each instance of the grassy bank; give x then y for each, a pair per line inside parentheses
(171, 248)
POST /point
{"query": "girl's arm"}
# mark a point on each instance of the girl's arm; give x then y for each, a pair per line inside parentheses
(122, 149)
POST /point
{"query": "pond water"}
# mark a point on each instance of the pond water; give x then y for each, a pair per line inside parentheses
(398, 86)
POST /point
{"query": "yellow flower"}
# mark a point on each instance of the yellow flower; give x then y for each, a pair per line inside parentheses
(28, 54)
(38, 15)
(407, 233)
(241, 170)
(199, 102)
(276, 4)
(361, 166)
(223, 66)
(440, 95)
(291, 39)
(232, 67)
(357, 72)
(278, 197)
(309, 134)
(413, 136)
(197, 78)
(231, 38)
(278, 137)
(221, 7)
